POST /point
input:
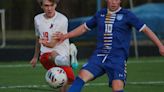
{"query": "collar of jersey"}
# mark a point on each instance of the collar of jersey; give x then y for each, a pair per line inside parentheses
(115, 10)
(56, 13)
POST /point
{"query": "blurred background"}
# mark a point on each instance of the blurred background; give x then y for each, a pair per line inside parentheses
(17, 40)
(17, 37)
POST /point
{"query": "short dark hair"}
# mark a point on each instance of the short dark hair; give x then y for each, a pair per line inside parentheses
(53, 1)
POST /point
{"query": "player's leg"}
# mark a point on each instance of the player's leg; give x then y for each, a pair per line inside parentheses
(46, 60)
(55, 58)
(83, 77)
(117, 86)
(73, 53)
(88, 72)
(117, 76)
(48, 63)
(60, 60)
(70, 76)
(63, 89)
(69, 72)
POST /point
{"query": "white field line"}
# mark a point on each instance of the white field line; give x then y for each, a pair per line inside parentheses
(88, 84)
(23, 86)
(80, 63)
(17, 66)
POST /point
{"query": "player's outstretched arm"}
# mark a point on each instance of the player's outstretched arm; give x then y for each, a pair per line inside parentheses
(49, 44)
(74, 33)
(154, 39)
(36, 53)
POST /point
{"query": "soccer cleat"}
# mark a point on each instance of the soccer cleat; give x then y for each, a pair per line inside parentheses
(73, 53)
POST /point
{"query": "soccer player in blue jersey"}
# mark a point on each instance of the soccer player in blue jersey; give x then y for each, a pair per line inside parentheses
(113, 41)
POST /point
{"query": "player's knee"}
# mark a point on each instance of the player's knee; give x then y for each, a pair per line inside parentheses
(62, 60)
(117, 85)
(85, 75)
(45, 57)
(45, 61)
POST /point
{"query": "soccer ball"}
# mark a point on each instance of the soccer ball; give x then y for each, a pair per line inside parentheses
(56, 77)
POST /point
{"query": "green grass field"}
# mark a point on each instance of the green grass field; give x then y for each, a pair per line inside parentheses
(144, 75)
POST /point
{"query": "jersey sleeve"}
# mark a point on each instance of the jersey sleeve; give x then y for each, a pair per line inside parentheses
(135, 22)
(91, 23)
(36, 27)
(64, 26)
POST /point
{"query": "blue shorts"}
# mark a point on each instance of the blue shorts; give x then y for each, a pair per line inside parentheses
(114, 67)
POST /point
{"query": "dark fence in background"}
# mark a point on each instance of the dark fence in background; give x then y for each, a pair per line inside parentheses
(26, 54)
(85, 43)
(20, 13)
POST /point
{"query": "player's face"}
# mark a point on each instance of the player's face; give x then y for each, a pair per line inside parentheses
(49, 8)
(113, 4)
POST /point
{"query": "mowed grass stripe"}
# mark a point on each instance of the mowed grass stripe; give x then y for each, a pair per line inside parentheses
(80, 63)
(88, 84)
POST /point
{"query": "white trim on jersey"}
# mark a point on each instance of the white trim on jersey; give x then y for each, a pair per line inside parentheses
(86, 27)
(142, 28)
(113, 12)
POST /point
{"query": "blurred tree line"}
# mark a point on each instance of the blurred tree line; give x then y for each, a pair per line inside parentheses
(20, 13)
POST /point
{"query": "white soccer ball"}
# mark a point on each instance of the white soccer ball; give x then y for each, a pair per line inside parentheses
(56, 77)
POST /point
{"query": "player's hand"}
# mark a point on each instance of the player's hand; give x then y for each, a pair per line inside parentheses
(33, 62)
(43, 41)
(161, 50)
(59, 36)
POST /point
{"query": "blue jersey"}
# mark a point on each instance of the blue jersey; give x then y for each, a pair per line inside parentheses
(114, 31)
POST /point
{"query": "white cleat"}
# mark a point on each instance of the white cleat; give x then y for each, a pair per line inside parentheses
(73, 53)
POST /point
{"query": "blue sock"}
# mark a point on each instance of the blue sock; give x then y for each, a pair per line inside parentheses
(119, 91)
(76, 85)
